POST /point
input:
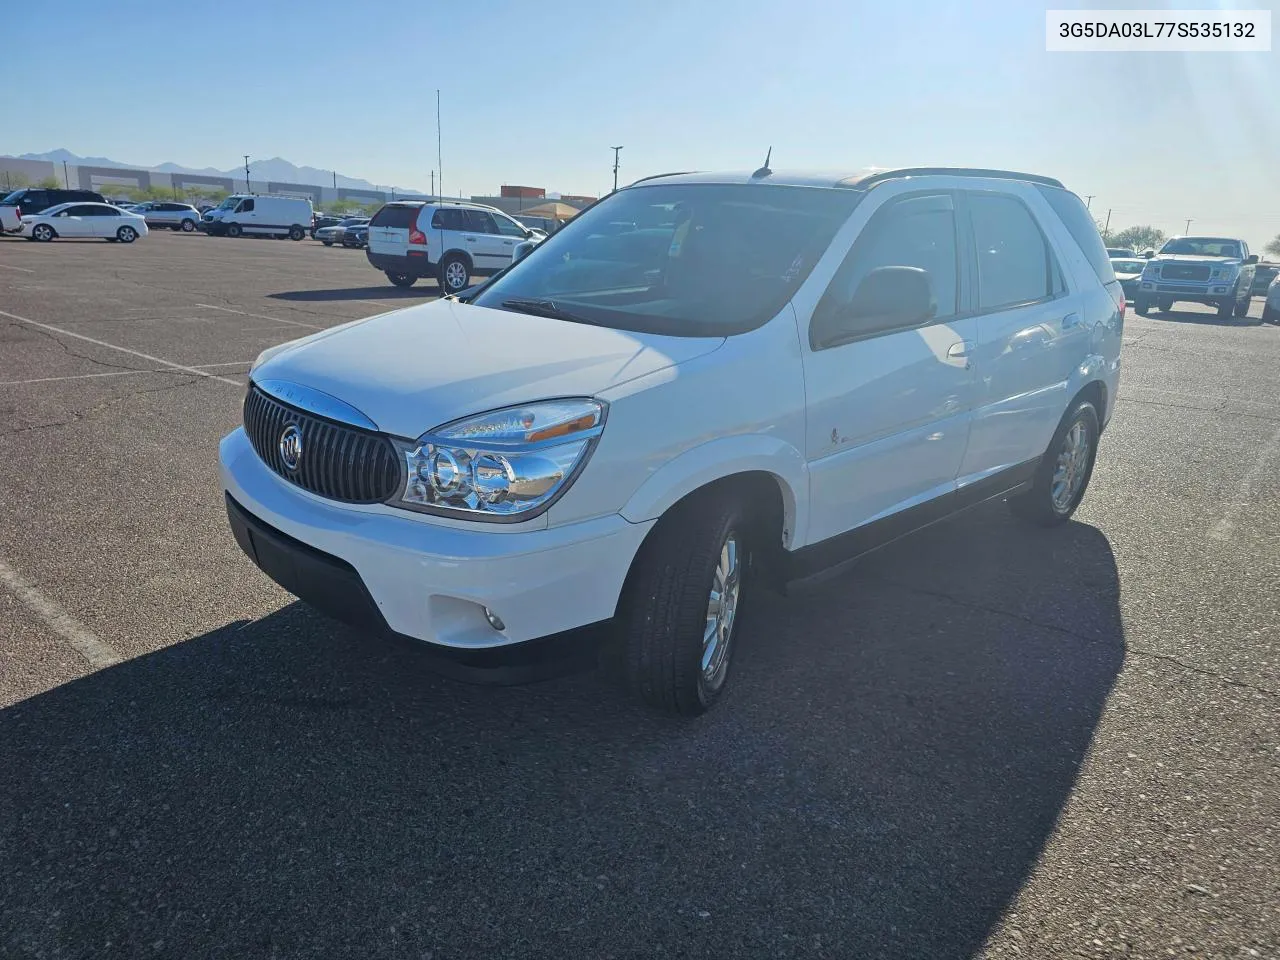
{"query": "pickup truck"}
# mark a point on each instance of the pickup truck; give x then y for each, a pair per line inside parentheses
(1217, 271)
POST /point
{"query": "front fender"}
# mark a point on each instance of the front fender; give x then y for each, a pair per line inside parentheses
(725, 457)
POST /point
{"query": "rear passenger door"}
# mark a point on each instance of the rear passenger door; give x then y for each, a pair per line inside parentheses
(1030, 329)
(482, 240)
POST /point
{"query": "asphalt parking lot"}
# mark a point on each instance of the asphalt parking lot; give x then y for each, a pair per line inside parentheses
(982, 741)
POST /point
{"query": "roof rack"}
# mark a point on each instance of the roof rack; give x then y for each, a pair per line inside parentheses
(659, 176)
(865, 183)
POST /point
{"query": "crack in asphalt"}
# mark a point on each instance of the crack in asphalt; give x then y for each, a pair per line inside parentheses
(66, 348)
(79, 415)
(1222, 408)
(1085, 638)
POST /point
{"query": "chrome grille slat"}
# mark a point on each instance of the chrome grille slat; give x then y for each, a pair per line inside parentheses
(339, 461)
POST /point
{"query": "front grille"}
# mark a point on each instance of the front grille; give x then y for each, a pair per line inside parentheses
(338, 461)
(1184, 271)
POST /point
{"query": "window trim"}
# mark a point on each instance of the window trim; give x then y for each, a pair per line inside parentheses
(1054, 261)
(964, 291)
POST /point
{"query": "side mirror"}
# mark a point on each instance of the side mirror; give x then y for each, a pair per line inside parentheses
(1252, 258)
(522, 250)
(886, 298)
(1148, 254)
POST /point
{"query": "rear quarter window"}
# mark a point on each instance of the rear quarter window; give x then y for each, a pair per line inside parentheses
(392, 216)
(1075, 217)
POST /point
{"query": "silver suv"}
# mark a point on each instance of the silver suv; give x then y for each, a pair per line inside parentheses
(1217, 271)
(449, 240)
(167, 213)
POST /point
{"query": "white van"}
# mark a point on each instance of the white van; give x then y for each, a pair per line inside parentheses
(264, 216)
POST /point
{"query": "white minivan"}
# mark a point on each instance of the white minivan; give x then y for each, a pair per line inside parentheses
(257, 215)
(703, 384)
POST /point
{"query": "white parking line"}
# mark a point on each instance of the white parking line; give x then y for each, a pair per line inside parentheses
(119, 373)
(98, 652)
(260, 316)
(196, 371)
(1223, 529)
(23, 269)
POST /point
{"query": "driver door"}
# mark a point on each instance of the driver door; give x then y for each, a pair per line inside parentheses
(889, 407)
(72, 222)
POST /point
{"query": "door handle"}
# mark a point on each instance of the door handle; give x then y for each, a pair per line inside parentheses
(959, 350)
(507, 243)
(1070, 320)
(470, 239)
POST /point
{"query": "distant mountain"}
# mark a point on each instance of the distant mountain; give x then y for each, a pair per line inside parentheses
(276, 169)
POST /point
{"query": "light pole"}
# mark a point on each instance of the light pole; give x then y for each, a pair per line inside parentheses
(247, 188)
(65, 181)
(616, 151)
(1088, 201)
(1187, 228)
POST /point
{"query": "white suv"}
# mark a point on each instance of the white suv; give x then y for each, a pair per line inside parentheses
(451, 241)
(703, 384)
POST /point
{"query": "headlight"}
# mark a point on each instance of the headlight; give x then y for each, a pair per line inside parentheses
(1149, 270)
(505, 465)
(1224, 272)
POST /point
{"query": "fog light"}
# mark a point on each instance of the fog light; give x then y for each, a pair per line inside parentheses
(495, 621)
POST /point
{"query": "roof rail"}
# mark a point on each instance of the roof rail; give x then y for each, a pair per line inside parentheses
(865, 183)
(659, 176)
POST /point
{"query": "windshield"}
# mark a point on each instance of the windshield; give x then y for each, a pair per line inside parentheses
(228, 203)
(1128, 266)
(1202, 247)
(680, 259)
(12, 199)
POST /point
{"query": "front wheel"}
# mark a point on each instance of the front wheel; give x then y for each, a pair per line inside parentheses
(1270, 314)
(1165, 305)
(327, 243)
(1242, 307)
(1141, 306)
(42, 232)
(679, 613)
(296, 232)
(454, 274)
(188, 226)
(402, 280)
(1064, 471)
(1226, 307)
(233, 230)
(126, 234)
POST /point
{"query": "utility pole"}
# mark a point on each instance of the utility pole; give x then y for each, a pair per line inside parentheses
(1088, 201)
(335, 180)
(439, 145)
(247, 188)
(65, 181)
(615, 150)
(1187, 228)
(1107, 229)
(433, 184)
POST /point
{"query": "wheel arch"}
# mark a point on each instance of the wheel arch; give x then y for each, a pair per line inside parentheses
(462, 255)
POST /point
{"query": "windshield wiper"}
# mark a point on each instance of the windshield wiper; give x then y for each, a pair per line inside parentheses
(546, 308)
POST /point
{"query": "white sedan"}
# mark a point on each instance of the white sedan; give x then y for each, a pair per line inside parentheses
(72, 220)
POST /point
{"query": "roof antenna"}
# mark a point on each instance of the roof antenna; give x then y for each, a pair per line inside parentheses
(764, 171)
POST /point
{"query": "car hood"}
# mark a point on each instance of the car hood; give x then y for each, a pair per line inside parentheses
(417, 368)
(1190, 258)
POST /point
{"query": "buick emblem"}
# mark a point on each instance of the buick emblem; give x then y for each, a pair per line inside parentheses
(291, 446)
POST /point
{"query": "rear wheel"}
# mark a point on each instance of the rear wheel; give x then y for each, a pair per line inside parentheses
(296, 232)
(233, 230)
(1064, 471)
(679, 613)
(42, 232)
(401, 280)
(455, 275)
(188, 226)
(327, 243)
(126, 234)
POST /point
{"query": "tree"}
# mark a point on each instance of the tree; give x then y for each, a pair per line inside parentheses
(15, 181)
(1273, 247)
(50, 183)
(1137, 238)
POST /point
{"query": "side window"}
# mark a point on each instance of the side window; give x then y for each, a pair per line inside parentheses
(82, 210)
(447, 218)
(35, 200)
(509, 228)
(479, 221)
(93, 210)
(246, 205)
(1079, 223)
(1015, 264)
(917, 232)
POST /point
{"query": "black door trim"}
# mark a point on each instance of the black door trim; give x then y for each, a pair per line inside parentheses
(817, 557)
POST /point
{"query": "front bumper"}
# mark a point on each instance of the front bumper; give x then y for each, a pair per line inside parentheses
(1210, 292)
(406, 574)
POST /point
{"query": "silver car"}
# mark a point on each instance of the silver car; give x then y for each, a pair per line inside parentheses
(168, 213)
(1271, 309)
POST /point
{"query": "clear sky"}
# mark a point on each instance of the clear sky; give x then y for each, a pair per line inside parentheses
(537, 93)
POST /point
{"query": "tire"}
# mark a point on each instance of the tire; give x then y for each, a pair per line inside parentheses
(1242, 307)
(1226, 307)
(296, 232)
(233, 230)
(1270, 314)
(188, 226)
(327, 243)
(401, 280)
(43, 232)
(1141, 306)
(126, 234)
(455, 273)
(1164, 305)
(665, 609)
(1039, 505)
